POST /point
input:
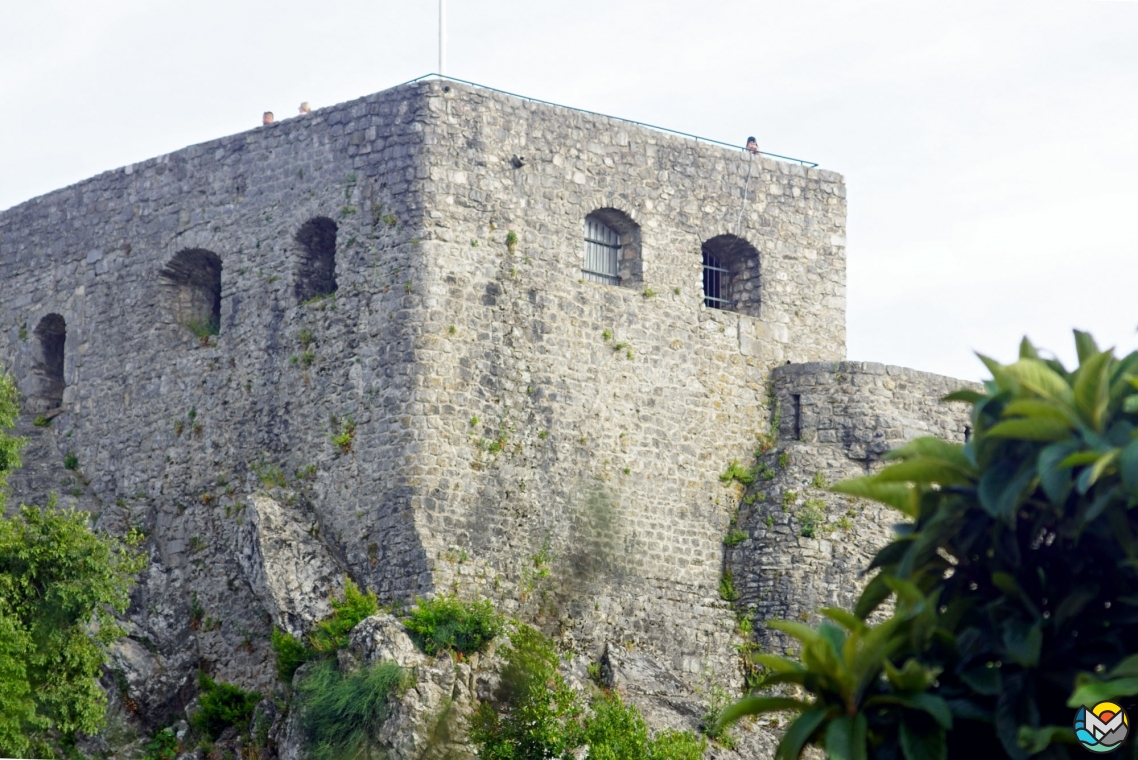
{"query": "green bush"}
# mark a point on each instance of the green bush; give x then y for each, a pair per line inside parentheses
(538, 714)
(616, 731)
(162, 746)
(1013, 582)
(448, 623)
(222, 705)
(291, 653)
(332, 634)
(342, 713)
(10, 445)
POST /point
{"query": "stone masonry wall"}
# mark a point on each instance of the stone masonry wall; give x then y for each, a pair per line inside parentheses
(806, 546)
(172, 436)
(575, 431)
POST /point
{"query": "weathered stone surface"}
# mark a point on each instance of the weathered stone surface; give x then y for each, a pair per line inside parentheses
(290, 570)
(466, 413)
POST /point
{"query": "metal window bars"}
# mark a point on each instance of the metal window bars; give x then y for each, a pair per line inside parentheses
(715, 279)
(602, 254)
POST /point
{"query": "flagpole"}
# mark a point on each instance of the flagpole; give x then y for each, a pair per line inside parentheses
(442, 37)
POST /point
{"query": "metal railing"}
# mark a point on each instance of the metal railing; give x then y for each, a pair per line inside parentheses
(803, 162)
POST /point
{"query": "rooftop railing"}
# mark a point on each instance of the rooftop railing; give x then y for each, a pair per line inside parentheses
(803, 162)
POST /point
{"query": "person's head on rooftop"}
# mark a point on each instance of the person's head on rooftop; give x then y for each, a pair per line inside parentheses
(305, 108)
(752, 145)
(267, 118)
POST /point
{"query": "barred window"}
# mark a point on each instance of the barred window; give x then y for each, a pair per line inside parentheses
(602, 253)
(731, 275)
(715, 279)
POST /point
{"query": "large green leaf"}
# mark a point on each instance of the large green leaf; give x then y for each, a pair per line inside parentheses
(799, 733)
(1031, 429)
(1089, 690)
(900, 496)
(1023, 642)
(757, 705)
(846, 738)
(1092, 388)
(1085, 345)
(1040, 379)
(1035, 740)
(1047, 410)
(1001, 489)
(1128, 465)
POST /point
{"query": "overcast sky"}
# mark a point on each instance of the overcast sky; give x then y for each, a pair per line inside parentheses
(990, 148)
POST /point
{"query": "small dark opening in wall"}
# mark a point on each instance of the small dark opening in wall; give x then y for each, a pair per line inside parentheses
(47, 364)
(316, 269)
(193, 278)
(967, 433)
(797, 417)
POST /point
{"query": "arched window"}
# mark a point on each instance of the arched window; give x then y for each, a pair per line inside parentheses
(193, 278)
(316, 269)
(612, 249)
(45, 389)
(731, 275)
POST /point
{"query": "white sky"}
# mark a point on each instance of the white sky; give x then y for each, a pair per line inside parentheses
(990, 148)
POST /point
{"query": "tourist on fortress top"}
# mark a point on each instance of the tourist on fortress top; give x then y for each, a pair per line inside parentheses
(267, 118)
(752, 146)
(305, 108)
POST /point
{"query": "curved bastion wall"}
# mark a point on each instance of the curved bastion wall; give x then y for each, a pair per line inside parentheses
(364, 343)
(806, 547)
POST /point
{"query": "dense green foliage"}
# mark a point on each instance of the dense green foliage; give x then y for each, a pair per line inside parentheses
(448, 623)
(535, 715)
(162, 746)
(10, 445)
(538, 715)
(343, 712)
(60, 585)
(332, 633)
(291, 653)
(222, 705)
(616, 731)
(1015, 581)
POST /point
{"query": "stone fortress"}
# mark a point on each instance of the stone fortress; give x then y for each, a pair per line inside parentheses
(441, 339)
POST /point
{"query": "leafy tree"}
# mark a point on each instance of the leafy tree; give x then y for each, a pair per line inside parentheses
(60, 584)
(10, 445)
(539, 714)
(1014, 582)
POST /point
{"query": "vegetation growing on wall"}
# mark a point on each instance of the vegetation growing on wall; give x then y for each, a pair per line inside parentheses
(1013, 582)
(344, 711)
(534, 714)
(447, 623)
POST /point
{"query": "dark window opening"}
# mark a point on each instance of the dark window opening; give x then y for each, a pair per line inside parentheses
(193, 277)
(316, 270)
(612, 249)
(797, 417)
(731, 275)
(46, 387)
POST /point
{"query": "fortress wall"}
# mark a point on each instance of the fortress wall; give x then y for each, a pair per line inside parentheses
(170, 435)
(542, 432)
(848, 415)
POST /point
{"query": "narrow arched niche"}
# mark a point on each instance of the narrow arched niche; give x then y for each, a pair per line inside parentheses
(46, 385)
(731, 275)
(316, 268)
(193, 282)
(612, 249)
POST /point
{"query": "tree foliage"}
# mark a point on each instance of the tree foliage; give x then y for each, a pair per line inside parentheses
(10, 445)
(1015, 581)
(60, 584)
